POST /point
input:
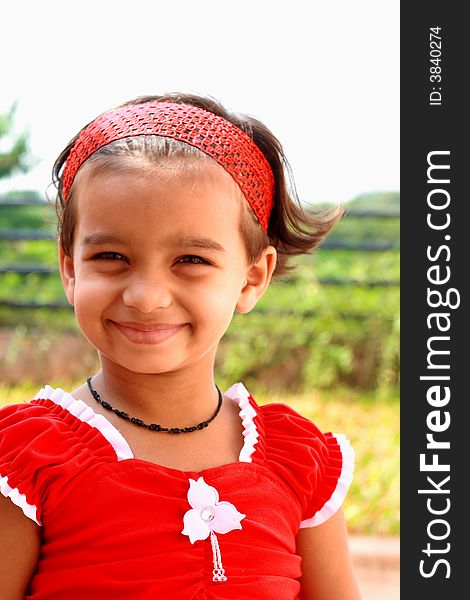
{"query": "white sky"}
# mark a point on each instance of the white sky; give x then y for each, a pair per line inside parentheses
(324, 76)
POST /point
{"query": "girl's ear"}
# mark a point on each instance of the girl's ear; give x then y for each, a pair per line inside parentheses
(67, 273)
(258, 277)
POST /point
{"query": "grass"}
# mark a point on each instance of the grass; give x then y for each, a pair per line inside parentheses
(371, 423)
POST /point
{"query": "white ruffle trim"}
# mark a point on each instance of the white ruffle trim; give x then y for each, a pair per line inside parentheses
(344, 481)
(85, 413)
(30, 510)
(247, 413)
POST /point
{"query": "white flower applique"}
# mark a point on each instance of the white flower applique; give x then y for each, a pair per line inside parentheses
(207, 516)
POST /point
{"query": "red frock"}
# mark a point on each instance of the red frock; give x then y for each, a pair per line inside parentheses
(112, 524)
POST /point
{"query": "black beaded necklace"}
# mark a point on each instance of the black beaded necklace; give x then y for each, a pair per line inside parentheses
(153, 426)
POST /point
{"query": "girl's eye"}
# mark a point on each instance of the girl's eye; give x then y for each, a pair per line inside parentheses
(194, 260)
(109, 256)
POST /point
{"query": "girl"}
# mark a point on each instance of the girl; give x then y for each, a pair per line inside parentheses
(147, 481)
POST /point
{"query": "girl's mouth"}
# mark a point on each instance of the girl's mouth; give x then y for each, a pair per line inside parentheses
(148, 333)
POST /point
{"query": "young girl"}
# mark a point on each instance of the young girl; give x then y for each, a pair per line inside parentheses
(147, 481)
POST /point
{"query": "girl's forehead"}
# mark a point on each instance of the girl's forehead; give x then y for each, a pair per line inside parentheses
(160, 198)
(176, 172)
(172, 163)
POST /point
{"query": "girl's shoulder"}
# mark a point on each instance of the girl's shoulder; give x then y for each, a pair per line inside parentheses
(23, 424)
(43, 444)
(318, 466)
(54, 417)
(51, 415)
(284, 425)
(277, 416)
(28, 414)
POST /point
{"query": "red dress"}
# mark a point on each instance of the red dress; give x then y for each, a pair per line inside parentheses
(112, 524)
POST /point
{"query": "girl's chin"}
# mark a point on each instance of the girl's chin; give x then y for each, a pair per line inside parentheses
(143, 366)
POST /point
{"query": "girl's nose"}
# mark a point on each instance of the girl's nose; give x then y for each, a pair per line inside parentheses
(147, 293)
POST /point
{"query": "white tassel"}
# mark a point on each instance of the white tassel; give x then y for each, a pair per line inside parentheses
(218, 573)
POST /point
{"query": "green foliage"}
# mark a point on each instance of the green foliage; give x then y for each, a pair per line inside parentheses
(14, 158)
(314, 336)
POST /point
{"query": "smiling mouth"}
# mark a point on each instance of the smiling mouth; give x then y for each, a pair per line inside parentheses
(141, 333)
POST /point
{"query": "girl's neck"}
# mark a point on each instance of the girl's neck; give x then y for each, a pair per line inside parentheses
(170, 399)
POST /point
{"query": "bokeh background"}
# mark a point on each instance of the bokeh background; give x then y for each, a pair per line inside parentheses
(325, 78)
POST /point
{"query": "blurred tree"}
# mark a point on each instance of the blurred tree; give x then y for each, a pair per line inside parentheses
(14, 157)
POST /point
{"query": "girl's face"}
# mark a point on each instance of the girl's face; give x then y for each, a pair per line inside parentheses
(159, 265)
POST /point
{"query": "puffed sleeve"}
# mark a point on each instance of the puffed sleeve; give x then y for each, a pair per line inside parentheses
(318, 467)
(22, 427)
(43, 447)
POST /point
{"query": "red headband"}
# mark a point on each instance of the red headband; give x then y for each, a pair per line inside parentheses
(233, 149)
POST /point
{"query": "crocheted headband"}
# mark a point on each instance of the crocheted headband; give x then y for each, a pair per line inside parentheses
(233, 149)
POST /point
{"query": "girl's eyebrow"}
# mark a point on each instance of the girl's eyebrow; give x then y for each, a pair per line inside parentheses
(204, 243)
(97, 239)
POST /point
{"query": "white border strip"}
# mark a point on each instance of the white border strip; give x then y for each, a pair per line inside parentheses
(247, 413)
(29, 510)
(337, 497)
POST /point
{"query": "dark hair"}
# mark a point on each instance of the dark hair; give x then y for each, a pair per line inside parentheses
(291, 229)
